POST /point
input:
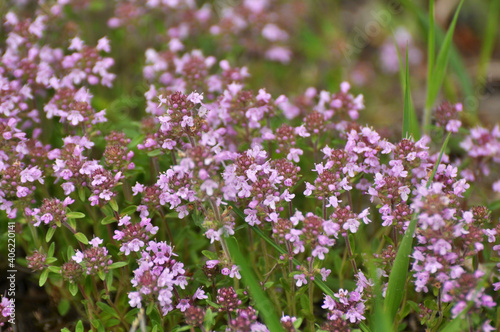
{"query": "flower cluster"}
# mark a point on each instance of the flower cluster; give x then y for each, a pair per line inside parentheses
(6, 309)
(349, 305)
(133, 236)
(95, 259)
(157, 277)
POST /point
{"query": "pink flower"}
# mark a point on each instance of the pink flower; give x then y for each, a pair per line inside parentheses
(212, 263)
(496, 186)
(183, 305)
(300, 279)
(78, 257)
(76, 44)
(325, 273)
(22, 191)
(103, 45)
(135, 299)
(329, 303)
(187, 121)
(352, 225)
(95, 242)
(309, 189)
(235, 272)
(200, 294)
(295, 154)
(453, 126)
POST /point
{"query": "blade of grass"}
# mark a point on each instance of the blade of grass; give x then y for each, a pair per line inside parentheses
(489, 40)
(262, 302)
(456, 61)
(431, 52)
(399, 272)
(431, 35)
(437, 77)
(410, 125)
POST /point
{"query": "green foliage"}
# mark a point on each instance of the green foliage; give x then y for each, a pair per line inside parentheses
(262, 302)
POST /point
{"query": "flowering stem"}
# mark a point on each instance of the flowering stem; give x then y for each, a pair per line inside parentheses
(349, 198)
(174, 158)
(113, 305)
(90, 304)
(311, 295)
(126, 190)
(324, 208)
(349, 251)
(164, 222)
(155, 167)
(65, 223)
(311, 306)
(395, 235)
(292, 284)
(315, 150)
(34, 234)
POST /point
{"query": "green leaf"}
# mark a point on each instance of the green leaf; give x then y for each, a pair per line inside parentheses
(98, 325)
(113, 205)
(63, 307)
(54, 269)
(81, 194)
(108, 220)
(209, 254)
(112, 322)
(107, 309)
(52, 248)
(109, 279)
(262, 302)
(117, 265)
(50, 260)
(71, 223)
(43, 277)
(209, 319)
(131, 315)
(79, 326)
(73, 288)
(438, 73)
(154, 153)
(50, 234)
(129, 210)
(155, 317)
(397, 278)
(75, 215)
(65, 330)
(70, 252)
(133, 143)
(82, 238)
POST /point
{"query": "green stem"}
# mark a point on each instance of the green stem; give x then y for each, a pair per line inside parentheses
(311, 299)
